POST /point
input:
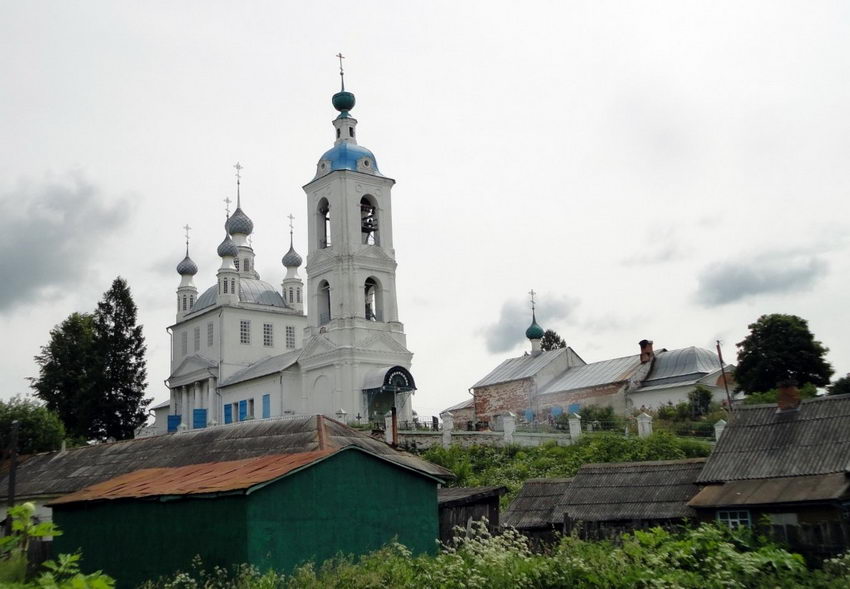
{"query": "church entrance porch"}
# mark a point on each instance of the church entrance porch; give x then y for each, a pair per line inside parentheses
(386, 388)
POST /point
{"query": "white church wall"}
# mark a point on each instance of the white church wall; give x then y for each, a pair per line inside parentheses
(237, 355)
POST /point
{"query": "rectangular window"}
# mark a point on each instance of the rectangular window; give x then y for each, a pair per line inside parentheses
(268, 335)
(290, 337)
(184, 342)
(250, 407)
(267, 406)
(245, 332)
(210, 332)
(733, 519)
(224, 282)
(197, 338)
(233, 286)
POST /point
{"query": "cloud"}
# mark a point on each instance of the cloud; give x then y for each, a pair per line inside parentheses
(515, 317)
(726, 282)
(50, 233)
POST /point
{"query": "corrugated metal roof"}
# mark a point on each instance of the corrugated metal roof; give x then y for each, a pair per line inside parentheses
(519, 368)
(464, 405)
(819, 487)
(759, 442)
(535, 504)
(594, 374)
(264, 367)
(166, 403)
(682, 366)
(447, 496)
(195, 479)
(59, 473)
(631, 491)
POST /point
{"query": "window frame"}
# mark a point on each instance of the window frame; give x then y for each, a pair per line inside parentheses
(268, 335)
(245, 332)
(735, 517)
(290, 337)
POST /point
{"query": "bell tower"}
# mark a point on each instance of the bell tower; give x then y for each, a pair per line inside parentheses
(351, 269)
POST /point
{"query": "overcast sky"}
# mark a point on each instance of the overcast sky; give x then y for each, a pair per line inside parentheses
(661, 170)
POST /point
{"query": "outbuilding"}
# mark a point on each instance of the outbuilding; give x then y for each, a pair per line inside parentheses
(273, 511)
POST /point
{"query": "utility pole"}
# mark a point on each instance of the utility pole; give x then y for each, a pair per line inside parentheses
(723, 372)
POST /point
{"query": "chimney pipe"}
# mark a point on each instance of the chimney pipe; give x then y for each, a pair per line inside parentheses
(395, 427)
(646, 353)
(787, 395)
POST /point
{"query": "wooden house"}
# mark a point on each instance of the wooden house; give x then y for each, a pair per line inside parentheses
(784, 466)
(534, 511)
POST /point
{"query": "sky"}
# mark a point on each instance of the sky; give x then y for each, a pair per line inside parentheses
(659, 170)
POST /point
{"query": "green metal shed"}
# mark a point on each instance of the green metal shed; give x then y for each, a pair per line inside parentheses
(272, 512)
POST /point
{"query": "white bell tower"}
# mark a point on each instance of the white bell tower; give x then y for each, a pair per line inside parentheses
(351, 286)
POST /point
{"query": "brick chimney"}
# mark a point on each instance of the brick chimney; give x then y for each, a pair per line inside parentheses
(787, 395)
(646, 353)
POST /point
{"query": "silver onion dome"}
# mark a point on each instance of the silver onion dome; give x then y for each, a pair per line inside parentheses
(187, 267)
(291, 258)
(227, 248)
(239, 223)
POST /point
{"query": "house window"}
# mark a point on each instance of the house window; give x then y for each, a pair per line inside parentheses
(268, 335)
(244, 332)
(290, 337)
(184, 343)
(236, 263)
(734, 519)
(197, 338)
(210, 332)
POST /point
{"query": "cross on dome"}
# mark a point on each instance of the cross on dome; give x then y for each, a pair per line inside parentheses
(227, 202)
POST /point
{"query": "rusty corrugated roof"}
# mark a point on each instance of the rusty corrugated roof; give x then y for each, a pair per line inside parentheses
(196, 479)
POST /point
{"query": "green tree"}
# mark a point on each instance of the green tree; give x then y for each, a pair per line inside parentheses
(120, 350)
(67, 374)
(39, 429)
(780, 348)
(92, 372)
(551, 341)
(840, 386)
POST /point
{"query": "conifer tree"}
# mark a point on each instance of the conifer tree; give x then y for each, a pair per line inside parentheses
(551, 341)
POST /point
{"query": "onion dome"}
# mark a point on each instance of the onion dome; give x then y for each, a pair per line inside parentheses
(227, 248)
(534, 331)
(187, 267)
(239, 223)
(291, 259)
(343, 101)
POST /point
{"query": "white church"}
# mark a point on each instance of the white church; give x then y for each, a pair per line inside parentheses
(246, 349)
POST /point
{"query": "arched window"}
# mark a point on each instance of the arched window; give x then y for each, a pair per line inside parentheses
(291, 297)
(351, 131)
(324, 223)
(368, 220)
(191, 301)
(184, 302)
(374, 299)
(298, 293)
(324, 302)
(224, 282)
(236, 263)
(247, 264)
(233, 286)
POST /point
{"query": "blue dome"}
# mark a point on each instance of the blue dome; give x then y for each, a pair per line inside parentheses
(345, 156)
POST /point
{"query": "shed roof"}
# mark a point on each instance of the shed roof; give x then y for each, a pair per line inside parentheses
(819, 487)
(535, 504)
(470, 402)
(681, 366)
(519, 368)
(59, 473)
(449, 496)
(760, 442)
(594, 374)
(631, 491)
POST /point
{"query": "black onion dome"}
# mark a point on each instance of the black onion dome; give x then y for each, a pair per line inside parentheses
(187, 267)
(239, 223)
(291, 258)
(227, 248)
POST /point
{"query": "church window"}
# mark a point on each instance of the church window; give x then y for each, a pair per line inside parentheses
(324, 302)
(244, 332)
(324, 223)
(184, 343)
(184, 302)
(368, 221)
(268, 335)
(236, 263)
(210, 333)
(247, 264)
(197, 338)
(298, 294)
(373, 297)
(290, 337)
(291, 297)
(224, 283)
(191, 301)
(233, 286)
(337, 133)
(351, 131)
